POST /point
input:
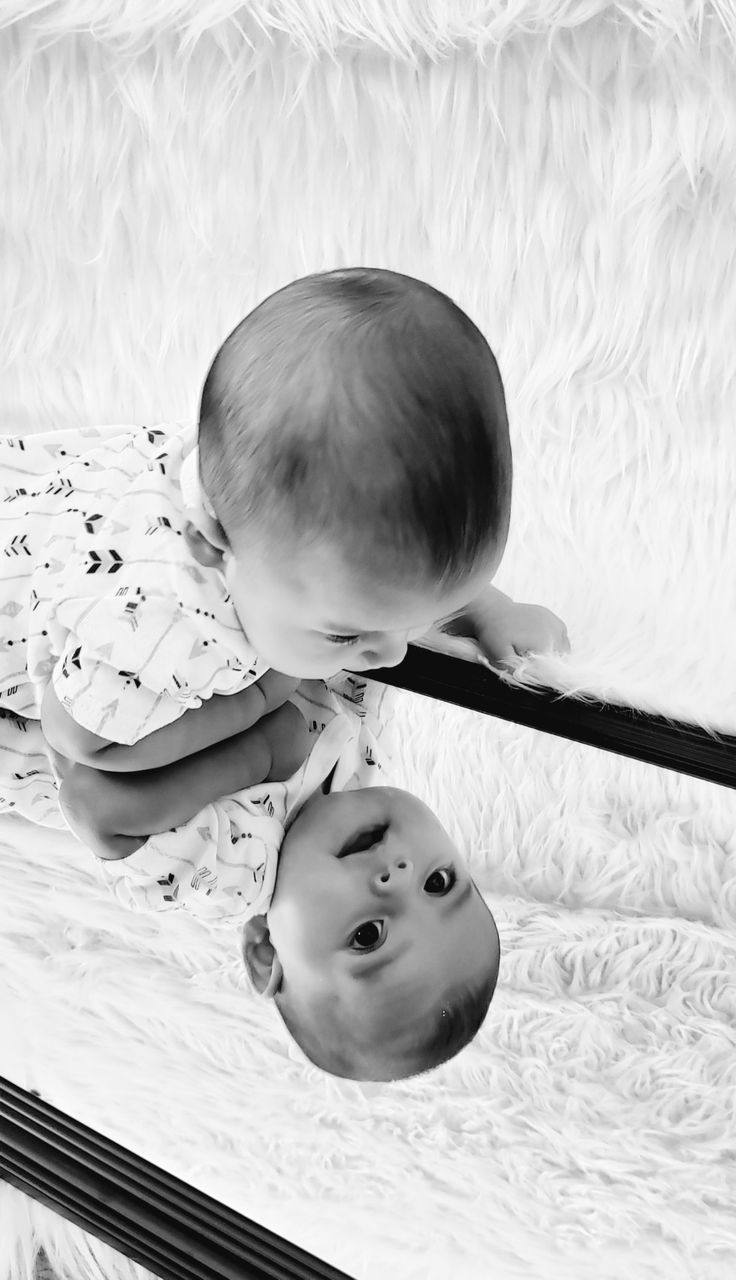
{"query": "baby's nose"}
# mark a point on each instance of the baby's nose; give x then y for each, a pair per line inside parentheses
(389, 653)
(395, 872)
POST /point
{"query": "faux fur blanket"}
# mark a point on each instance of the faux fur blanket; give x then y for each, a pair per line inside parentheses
(566, 174)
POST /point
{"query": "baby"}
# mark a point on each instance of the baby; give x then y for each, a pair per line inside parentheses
(348, 485)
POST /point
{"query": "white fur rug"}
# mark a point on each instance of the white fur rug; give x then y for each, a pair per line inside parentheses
(566, 173)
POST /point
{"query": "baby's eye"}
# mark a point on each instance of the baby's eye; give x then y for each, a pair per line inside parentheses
(446, 878)
(342, 639)
(368, 943)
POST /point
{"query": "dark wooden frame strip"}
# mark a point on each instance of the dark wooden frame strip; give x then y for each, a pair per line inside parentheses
(181, 1234)
(655, 739)
(159, 1221)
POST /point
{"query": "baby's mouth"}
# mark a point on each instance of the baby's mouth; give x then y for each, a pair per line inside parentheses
(364, 840)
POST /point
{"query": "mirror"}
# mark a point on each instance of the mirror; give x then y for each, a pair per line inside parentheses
(154, 190)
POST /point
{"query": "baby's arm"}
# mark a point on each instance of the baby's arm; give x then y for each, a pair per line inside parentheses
(114, 814)
(221, 716)
(462, 623)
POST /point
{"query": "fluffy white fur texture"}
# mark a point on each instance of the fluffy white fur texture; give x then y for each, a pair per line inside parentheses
(567, 175)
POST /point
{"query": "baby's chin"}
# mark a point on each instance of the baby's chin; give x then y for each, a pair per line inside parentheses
(338, 808)
(336, 817)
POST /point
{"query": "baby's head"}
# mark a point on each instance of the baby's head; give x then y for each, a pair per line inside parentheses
(354, 445)
(378, 949)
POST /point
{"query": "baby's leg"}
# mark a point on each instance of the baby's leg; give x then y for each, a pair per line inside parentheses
(114, 813)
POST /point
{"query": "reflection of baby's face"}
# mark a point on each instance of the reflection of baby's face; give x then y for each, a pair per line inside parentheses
(373, 901)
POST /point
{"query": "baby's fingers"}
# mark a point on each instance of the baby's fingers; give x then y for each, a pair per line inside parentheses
(501, 659)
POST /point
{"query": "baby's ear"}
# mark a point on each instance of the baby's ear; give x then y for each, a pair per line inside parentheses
(261, 961)
(205, 538)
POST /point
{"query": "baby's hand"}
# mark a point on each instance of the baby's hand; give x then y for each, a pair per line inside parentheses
(505, 634)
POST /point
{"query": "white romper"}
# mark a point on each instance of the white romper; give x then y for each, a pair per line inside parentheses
(99, 592)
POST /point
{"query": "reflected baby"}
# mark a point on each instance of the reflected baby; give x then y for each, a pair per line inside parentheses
(378, 948)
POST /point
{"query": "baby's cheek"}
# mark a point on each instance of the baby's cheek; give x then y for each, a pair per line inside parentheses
(321, 924)
(294, 911)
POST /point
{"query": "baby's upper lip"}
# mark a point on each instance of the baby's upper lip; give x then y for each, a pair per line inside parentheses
(377, 830)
